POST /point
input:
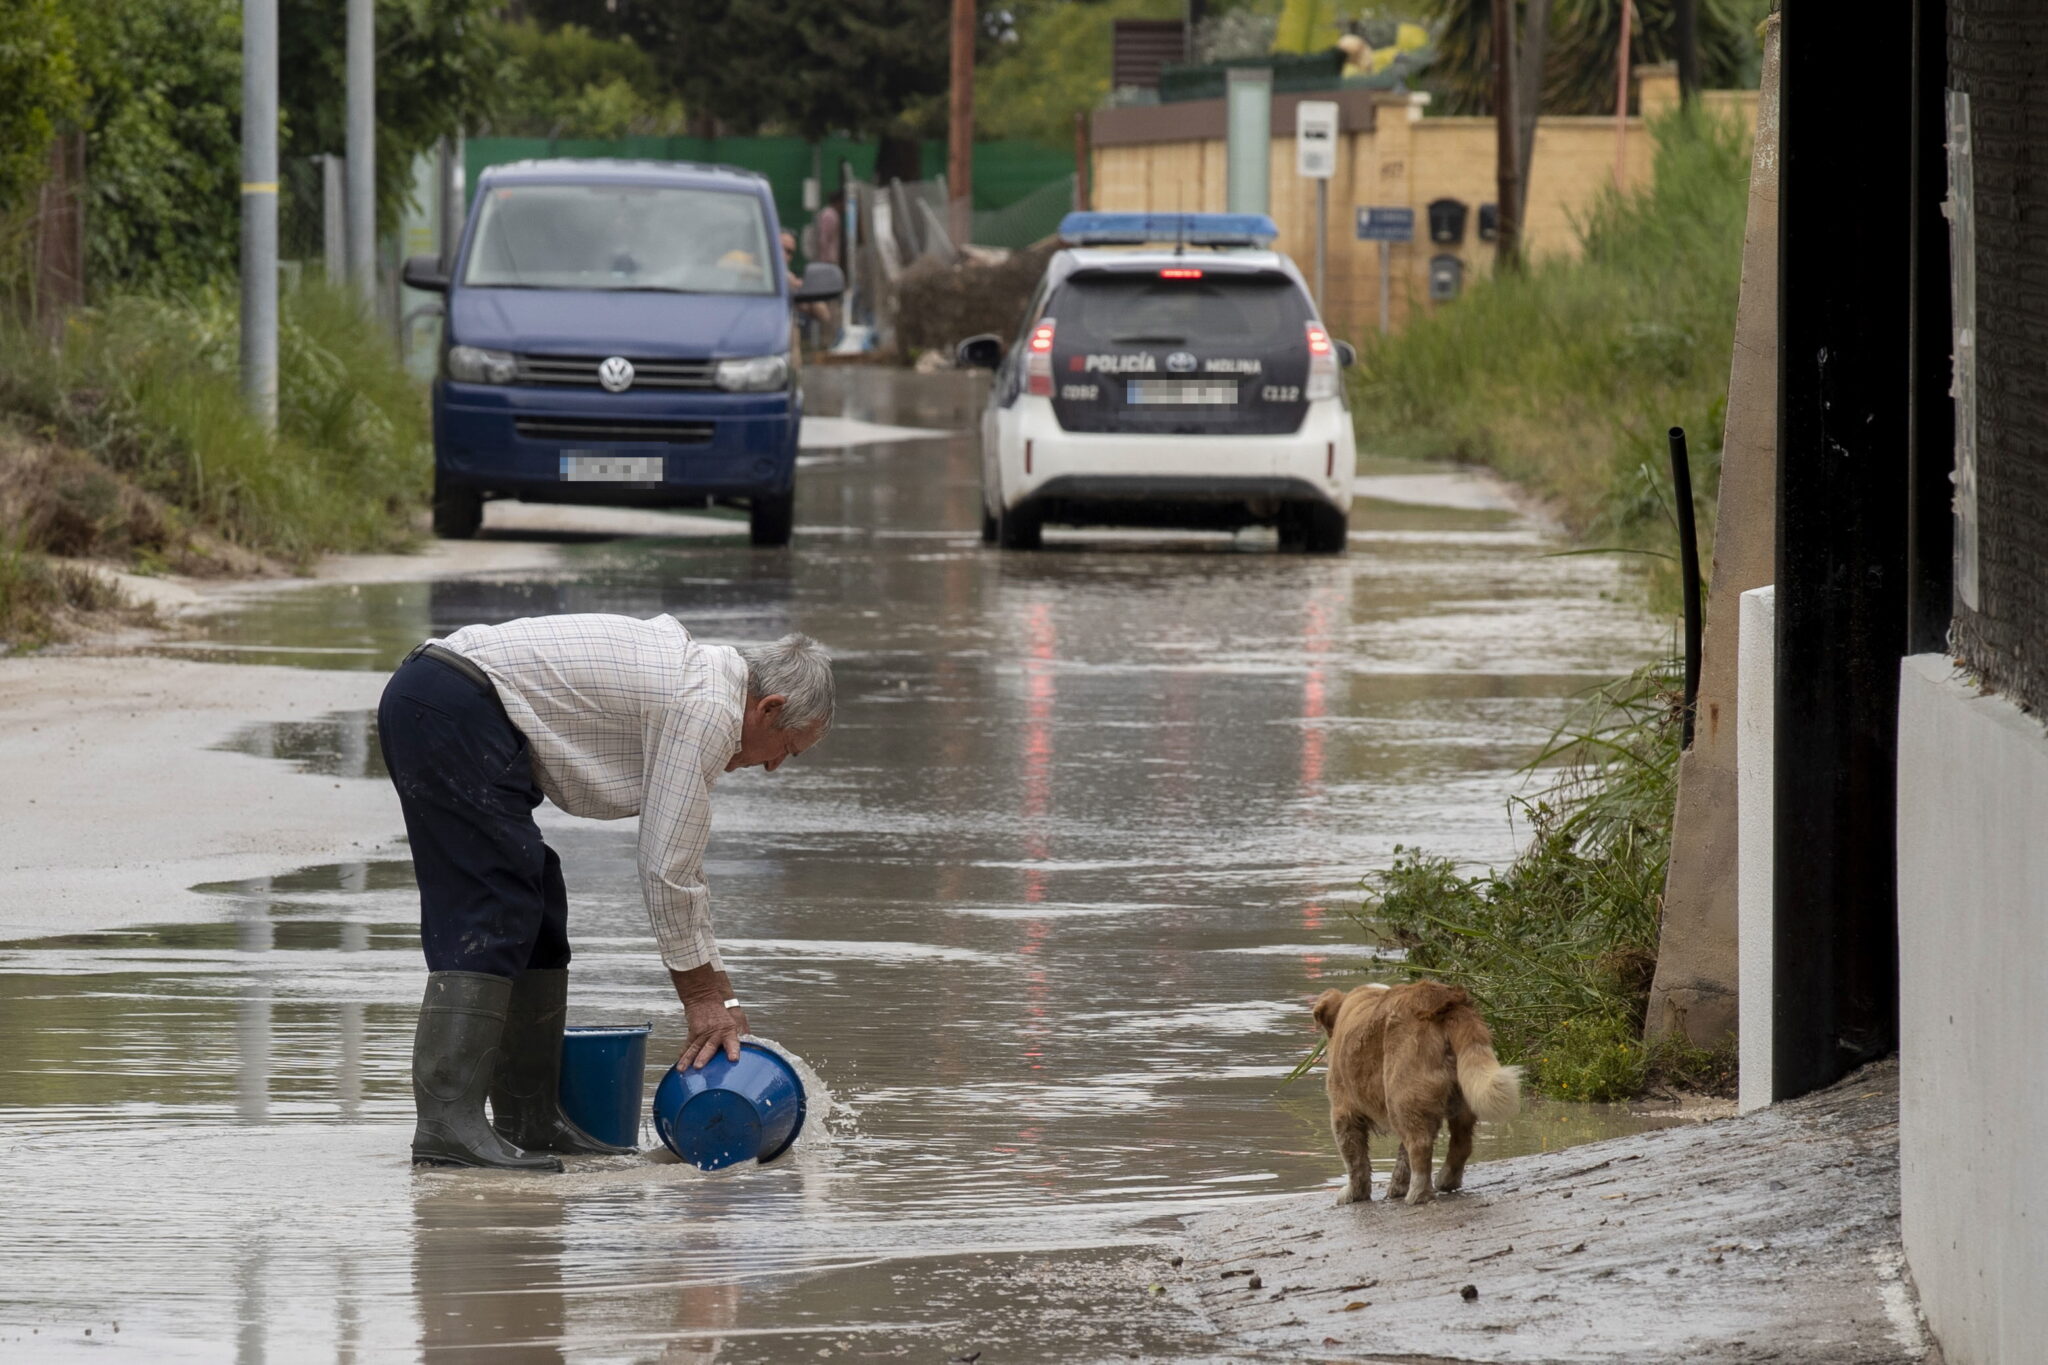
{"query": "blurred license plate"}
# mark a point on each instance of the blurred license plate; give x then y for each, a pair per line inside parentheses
(599, 468)
(1182, 392)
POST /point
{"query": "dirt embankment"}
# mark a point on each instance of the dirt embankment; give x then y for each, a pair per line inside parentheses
(1769, 1237)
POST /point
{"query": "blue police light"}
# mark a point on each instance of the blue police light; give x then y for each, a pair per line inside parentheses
(1195, 229)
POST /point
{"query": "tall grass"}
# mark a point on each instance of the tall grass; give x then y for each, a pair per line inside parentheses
(148, 387)
(1558, 950)
(1566, 375)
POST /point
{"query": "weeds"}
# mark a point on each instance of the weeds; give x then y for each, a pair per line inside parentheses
(147, 388)
(1558, 949)
(1566, 376)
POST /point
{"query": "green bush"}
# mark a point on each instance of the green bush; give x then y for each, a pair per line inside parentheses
(149, 388)
(1559, 949)
(1567, 375)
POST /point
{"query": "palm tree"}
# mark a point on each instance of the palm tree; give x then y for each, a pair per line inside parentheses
(1578, 67)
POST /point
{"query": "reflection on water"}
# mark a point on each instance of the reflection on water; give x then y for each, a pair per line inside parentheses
(1045, 914)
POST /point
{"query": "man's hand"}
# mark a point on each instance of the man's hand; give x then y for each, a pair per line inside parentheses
(712, 1026)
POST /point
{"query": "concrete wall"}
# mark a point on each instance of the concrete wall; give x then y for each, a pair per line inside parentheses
(1973, 977)
(1393, 157)
(1694, 994)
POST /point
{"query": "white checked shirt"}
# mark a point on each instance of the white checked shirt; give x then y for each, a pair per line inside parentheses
(627, 717)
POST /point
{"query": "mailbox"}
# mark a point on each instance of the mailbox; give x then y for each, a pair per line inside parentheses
(1489, 222)
(1447, 221)
(1446, 277)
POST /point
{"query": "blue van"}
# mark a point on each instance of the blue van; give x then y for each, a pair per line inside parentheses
(618, 332)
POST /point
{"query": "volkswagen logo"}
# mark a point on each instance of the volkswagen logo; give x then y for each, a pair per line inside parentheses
(616, 374)
(1180, 362)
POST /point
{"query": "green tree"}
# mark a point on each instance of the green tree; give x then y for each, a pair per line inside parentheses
(39, 90)
(438, 73)
(1578, 69)
(572, 82)
(1057, 66)
(163, 140)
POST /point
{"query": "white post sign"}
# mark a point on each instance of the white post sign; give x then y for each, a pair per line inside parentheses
(1315, 158)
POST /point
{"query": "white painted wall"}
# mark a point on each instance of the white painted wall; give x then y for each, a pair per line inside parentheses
(1973, 979)
(1755, 712)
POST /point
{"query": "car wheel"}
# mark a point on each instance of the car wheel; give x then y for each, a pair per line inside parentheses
(769, 519)
(458, 511)
(1019, 528)
(1328, 530)
(1314, 528)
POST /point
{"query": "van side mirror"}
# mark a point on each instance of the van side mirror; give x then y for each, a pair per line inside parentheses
(1347, 354)
(425, 273)
(822, 281)
(984, 352)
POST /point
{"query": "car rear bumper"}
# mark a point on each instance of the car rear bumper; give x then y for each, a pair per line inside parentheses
(1089, 476)
(511, 442)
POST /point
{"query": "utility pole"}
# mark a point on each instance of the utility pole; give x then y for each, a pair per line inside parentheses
(960, 126)
(1508, 193)
(362, 148)
(259, 209)
(1688, 50)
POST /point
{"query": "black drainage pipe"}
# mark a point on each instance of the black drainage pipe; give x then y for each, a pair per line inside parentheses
(1689, 573)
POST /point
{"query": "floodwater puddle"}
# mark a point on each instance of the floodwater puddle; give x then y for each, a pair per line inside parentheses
(1045, 914)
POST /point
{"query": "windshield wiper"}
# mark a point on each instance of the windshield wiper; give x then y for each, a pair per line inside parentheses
(1160, 340)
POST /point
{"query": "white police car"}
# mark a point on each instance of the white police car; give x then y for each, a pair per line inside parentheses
(1170, 371)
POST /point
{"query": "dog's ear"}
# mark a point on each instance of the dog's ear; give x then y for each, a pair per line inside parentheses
(1327, 1005)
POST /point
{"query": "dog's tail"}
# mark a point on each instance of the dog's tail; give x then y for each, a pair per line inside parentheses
(1493, 1091)
(1327, 1005)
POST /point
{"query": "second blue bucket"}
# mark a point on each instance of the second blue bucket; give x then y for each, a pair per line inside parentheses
(726, 1112)
(604, 1074)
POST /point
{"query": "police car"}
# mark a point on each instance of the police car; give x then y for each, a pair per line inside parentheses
(1170, 371)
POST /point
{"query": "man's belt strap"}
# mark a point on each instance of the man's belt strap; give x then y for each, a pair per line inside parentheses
(441, 654)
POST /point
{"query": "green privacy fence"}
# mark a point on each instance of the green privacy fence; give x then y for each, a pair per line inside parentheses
(1015, 183)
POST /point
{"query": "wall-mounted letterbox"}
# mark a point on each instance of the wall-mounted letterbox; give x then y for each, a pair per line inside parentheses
(1446, 277)
(1447, 221)
(1489, 222)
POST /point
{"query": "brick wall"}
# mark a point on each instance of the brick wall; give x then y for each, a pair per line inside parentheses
(1997, 51)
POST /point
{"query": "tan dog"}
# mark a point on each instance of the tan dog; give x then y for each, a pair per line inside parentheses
(1404, 1060)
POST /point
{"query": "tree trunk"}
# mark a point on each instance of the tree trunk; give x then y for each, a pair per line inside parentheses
(1508, 198)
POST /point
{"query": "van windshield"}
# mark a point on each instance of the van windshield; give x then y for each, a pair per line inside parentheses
(621, 237)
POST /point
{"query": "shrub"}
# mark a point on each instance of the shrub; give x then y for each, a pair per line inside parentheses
(148, 388)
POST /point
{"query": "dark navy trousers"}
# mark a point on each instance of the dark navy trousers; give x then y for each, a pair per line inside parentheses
(491, 894)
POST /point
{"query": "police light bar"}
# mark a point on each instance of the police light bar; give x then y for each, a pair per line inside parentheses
(1144, 229)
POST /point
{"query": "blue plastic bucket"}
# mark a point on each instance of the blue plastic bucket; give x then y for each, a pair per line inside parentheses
(726, 1112)
(604, 1074)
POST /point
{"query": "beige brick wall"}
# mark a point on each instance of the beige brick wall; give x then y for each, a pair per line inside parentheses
(1412, 160)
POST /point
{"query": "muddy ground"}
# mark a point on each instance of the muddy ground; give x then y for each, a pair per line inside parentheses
(1770, 1237)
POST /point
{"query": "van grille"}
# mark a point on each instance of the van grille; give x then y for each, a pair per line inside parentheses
(580, 371)
(611, 429)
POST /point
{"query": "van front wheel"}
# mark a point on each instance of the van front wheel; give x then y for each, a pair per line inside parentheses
(770, 518)
(458, 512)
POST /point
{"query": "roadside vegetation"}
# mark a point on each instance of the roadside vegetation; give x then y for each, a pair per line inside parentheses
(126, 440)
(1559, 948)
(1566, 376)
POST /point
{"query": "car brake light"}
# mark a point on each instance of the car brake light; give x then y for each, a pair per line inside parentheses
(1038, 360)
(1322, 364)
(1180, 273)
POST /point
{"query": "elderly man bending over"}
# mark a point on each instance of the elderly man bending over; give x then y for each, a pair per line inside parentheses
(608, 717)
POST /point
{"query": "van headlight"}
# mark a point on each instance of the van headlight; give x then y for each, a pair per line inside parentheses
(753, 374)
(475, 365)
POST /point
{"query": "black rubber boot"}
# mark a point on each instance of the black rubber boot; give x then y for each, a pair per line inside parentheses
(454, 1052)
(526, 1093)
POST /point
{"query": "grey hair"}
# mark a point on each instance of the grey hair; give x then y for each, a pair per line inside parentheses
(796, 667)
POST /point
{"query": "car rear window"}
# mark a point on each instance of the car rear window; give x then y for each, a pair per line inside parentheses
(1252, 313)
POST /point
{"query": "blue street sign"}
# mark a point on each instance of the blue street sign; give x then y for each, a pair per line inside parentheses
(1386, 224)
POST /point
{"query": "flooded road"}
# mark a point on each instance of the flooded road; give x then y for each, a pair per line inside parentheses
(1044, 913)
